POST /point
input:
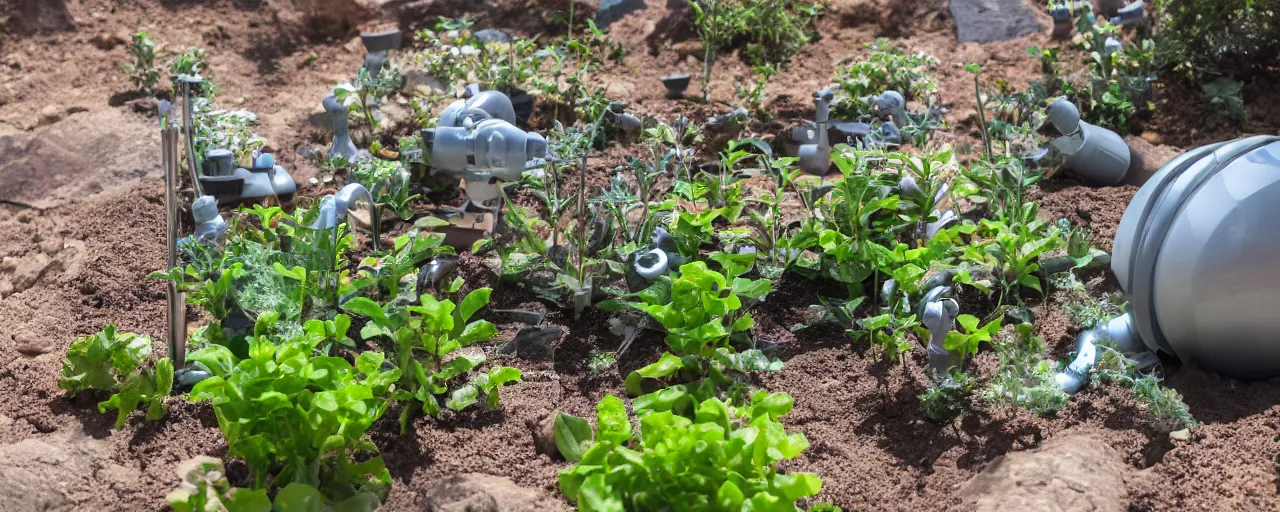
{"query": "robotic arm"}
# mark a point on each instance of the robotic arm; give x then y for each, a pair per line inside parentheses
(477, 141)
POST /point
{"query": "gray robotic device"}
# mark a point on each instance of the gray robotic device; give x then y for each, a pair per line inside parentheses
(230, 184)
(477, 141)
(1097, 154)
(1195, 253)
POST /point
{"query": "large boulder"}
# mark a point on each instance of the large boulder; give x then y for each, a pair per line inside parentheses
(1074, 472)
(987, 21)
(32, 16)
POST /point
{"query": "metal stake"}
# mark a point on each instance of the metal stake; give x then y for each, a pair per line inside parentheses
(177, 311)
(188, 114)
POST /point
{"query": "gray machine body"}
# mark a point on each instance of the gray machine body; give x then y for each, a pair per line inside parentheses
(230, 184)
(1097, 154)
(477, 141)
(1196, 255)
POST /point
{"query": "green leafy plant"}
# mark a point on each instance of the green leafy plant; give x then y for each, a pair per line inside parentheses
(194, 62)
(886, 68)
(717, 457)
(1203, 38)
(297, 418)
(1025, 379)
(704, 308)
(363, 93)
(718, 23)
(388, 274)
(113, 362)
(389, 183)
(947, 398)
(1164, 405)
(205, 488)
(778, 29)
(752, 96)
(1120, 79)
(967, 342)
(427, 339)
(1226, 97)
(142, 70)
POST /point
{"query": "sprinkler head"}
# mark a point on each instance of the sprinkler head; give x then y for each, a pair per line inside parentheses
(382, 41)
(676, 85)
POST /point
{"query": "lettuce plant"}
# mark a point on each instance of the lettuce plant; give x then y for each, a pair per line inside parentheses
(205, 488)
(717, 457)
(113, 362)
(427, 336)
(295, 418)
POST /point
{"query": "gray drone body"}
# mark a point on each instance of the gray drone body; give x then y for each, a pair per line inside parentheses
(1196, 254)
(477, 141)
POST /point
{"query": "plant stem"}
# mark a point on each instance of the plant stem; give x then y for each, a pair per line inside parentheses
(982, 118)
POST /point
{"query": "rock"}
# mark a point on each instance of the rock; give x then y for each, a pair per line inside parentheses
(987, 21)
(544, 435)
(1180, 435)
(144, 105)
(1145, 159)
(336, 18)
(1069, 473)
(533, 343)
(475, 492)
(51, 114)
(689, 49)
(614, 10)
(34, 476)
(493, 35)
(108, 41)
(28, 270)
(418, 78)
(31, 346)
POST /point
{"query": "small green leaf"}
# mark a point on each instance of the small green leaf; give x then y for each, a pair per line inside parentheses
(365, 307)
(573, 436)
(473, 302)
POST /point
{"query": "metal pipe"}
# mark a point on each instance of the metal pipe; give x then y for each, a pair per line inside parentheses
(177, 310)
(1118, 331)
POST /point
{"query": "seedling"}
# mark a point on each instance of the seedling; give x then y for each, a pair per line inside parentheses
(424, 336)
(142, 70)
(113, 362)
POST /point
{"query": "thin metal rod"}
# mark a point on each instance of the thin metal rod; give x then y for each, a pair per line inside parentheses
(188, 114)
(177, 311)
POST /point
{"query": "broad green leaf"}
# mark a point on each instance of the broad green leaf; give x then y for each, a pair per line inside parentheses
(729, 497)
(595, 496)
(366, 307)
(1030, 281)
(757, 289)
(573, 436)
(969, 322)
(473, 302)
(463, 397)
(458, 366)
(796, 486)
(297, 497)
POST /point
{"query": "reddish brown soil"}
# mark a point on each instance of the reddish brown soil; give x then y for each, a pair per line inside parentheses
(100, 224)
